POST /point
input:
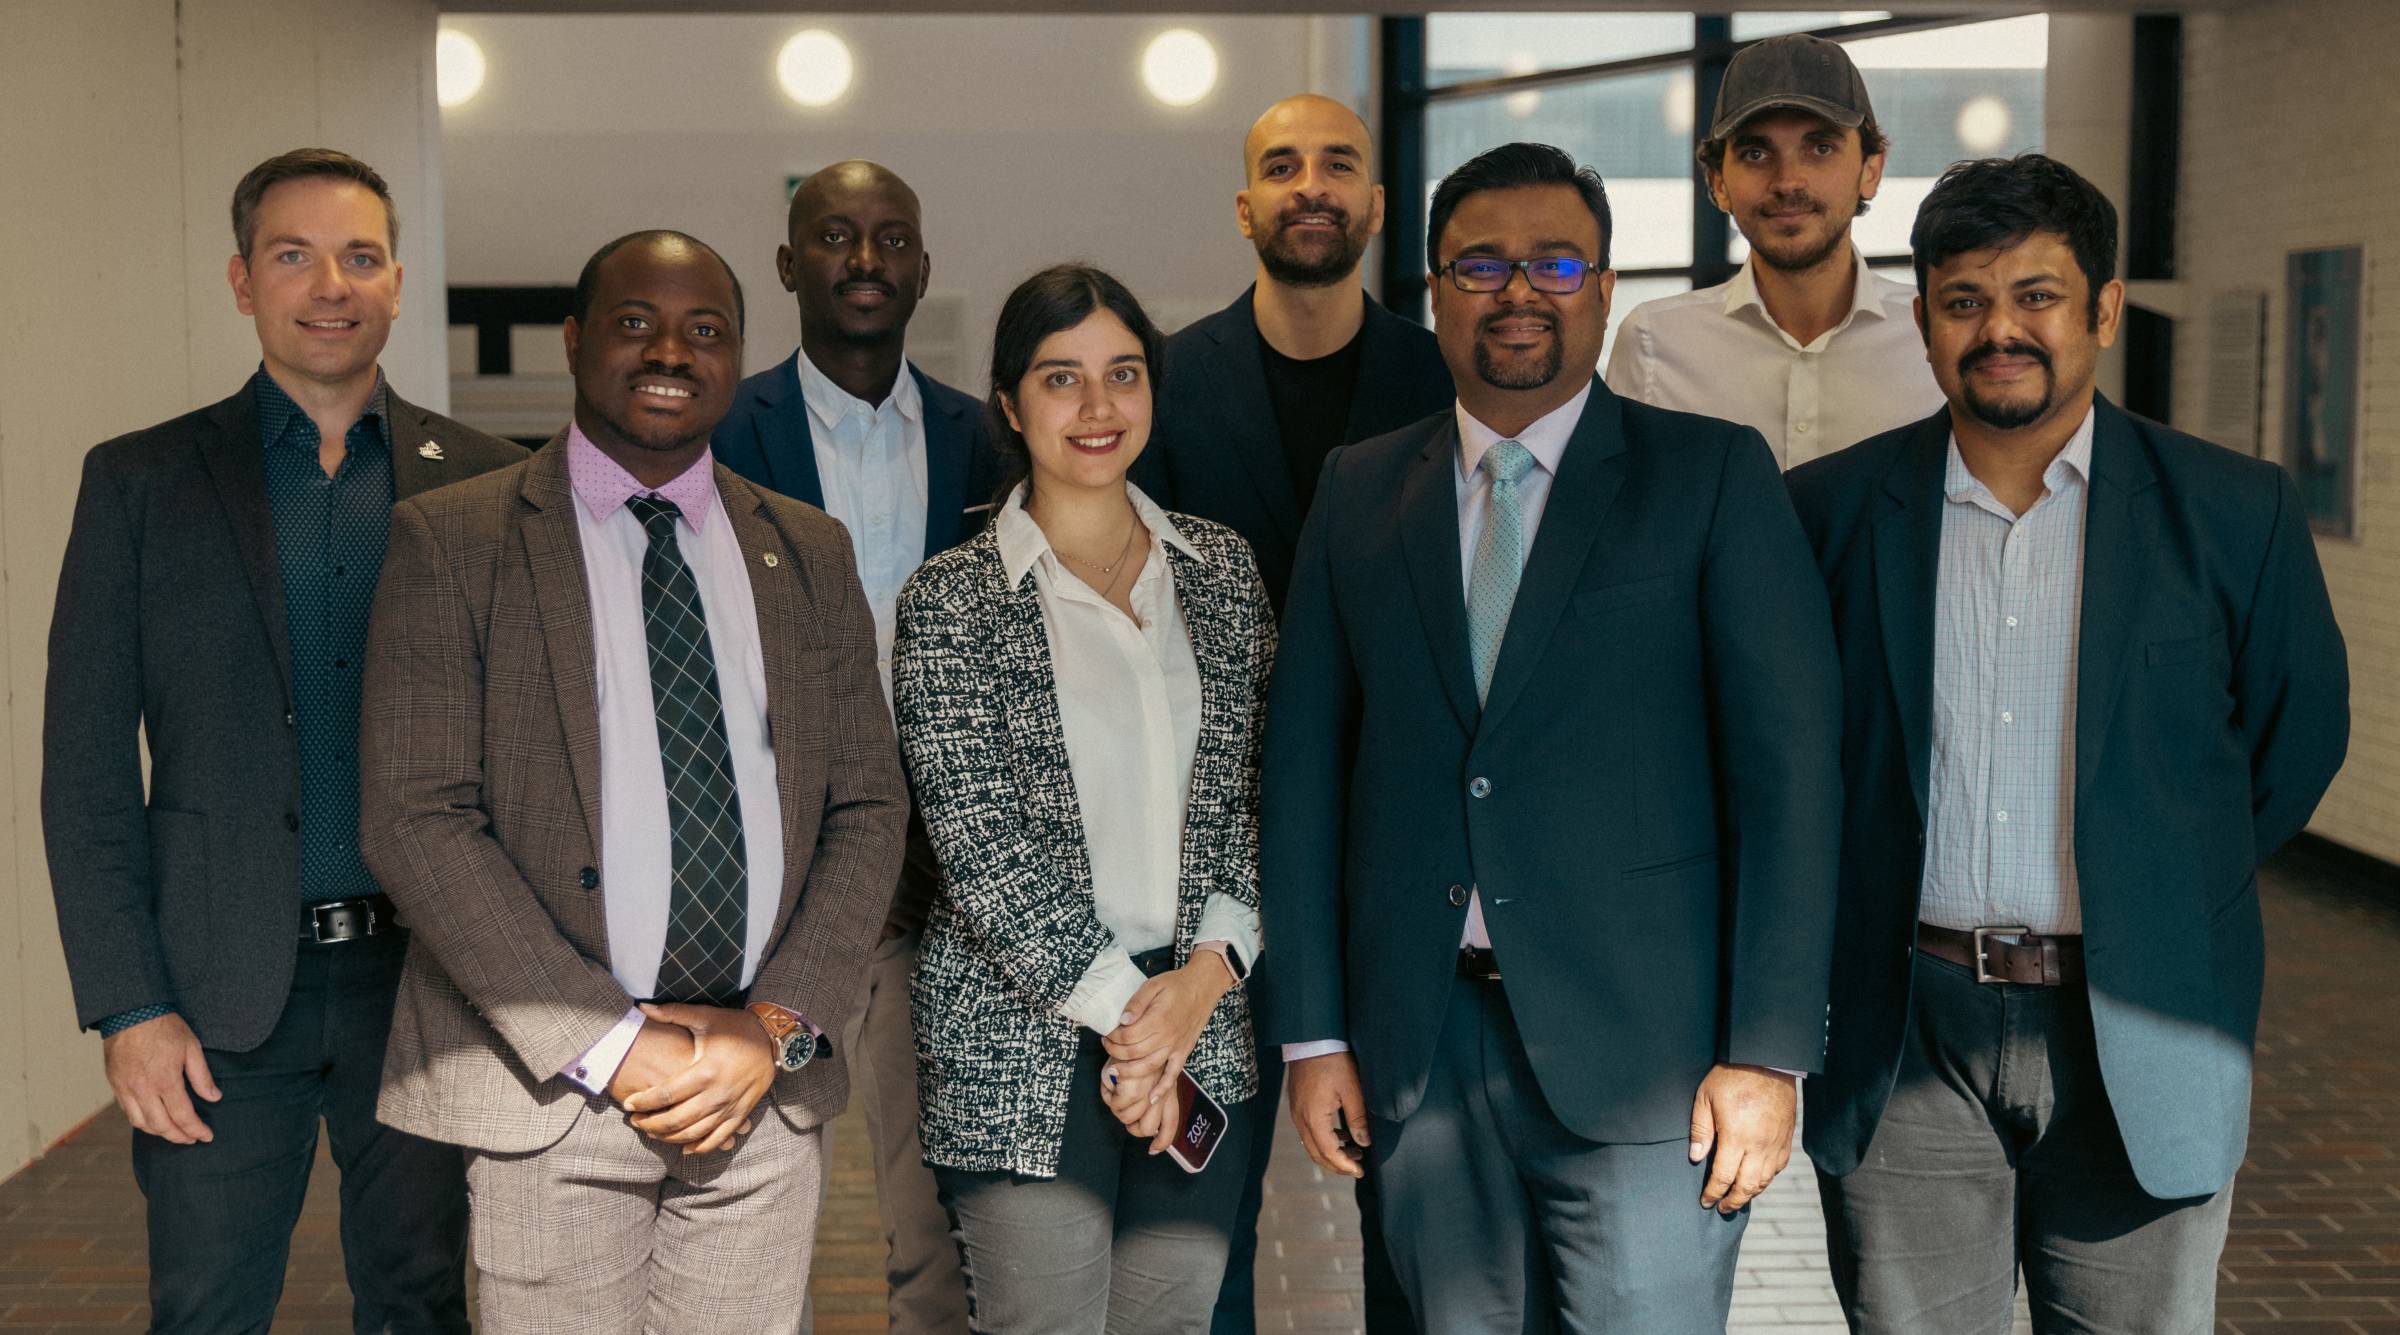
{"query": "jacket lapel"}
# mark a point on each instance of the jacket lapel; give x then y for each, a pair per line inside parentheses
(786, 622)
(414, 471)
(1908, 549)
(1235, 381)
(2117, 530)
(236, 463)
(949, 438)
(1382, 360)
(1590, 474)
(562, 592)
(784, 441)
(1429, 539)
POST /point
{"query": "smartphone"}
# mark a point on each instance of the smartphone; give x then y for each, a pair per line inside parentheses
(1203, 1126)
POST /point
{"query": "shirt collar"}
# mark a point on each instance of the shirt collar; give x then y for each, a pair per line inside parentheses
(276, 411)
(1865, 298)
(2073, 463)
(1547, 437)
(1022, 541)
(603, 485)
(829, 403)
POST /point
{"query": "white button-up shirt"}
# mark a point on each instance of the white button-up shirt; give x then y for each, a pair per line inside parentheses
(1129, 709)
(1716, 351)
(871, 465)
(2008, 611)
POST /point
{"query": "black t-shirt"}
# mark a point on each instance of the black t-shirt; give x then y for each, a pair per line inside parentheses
(1312, 407)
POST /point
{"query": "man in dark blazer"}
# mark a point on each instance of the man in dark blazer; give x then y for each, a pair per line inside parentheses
(1252, 400)
(2090, 678)
(847, 424)
(1550, 802)
(626, 764)
(222, 934)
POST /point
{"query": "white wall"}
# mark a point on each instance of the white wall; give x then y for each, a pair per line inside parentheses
(2288, 145)
(129, 121)
(1029, 140)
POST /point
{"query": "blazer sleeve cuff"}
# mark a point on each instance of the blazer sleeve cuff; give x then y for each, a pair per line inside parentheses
(1106, 988)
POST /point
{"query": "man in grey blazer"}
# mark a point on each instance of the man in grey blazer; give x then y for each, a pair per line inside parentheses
(223, 935)
(626, 762)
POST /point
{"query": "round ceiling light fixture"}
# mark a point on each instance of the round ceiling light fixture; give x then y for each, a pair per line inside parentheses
(1983, 124)
(1179, 67)
(458, 68)
(814, 68)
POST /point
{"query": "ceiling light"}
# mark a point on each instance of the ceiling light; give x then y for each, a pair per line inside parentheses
(814, 68)
(457, 67)
(1179, 67)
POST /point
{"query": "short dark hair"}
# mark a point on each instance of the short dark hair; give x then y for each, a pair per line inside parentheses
(1058, 298)
(1989, 202)
(300, 164)
(1506, 168)
(1871, 141)
(589, 279)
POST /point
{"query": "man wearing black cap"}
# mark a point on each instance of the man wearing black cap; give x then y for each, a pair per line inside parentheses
(1805, 343)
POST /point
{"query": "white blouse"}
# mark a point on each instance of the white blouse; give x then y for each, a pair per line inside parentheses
(1129, 706)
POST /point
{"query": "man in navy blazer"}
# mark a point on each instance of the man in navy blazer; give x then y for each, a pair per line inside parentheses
(847, 424)
(1551, 804)
(2090, 678)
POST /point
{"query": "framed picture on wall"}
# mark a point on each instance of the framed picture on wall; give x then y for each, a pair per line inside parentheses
(2324, 345)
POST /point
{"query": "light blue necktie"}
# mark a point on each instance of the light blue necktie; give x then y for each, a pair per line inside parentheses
(1499, 560)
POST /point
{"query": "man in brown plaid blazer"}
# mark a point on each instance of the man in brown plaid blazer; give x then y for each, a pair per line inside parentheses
(627, 771)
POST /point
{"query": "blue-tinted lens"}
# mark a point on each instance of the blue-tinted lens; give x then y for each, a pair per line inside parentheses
(1556, 273)
(1482, 274)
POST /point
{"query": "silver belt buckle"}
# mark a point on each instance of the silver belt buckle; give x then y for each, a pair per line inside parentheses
(1983, 973)
(317, 920)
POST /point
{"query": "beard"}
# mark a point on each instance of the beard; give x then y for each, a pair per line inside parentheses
(1313, 263)
(1775, 252)
(651, 436)
(2011, 414)
(1533, 376)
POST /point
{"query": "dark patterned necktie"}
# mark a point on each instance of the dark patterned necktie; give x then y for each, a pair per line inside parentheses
(708, 909)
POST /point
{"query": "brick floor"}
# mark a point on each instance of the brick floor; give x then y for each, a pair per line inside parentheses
(2315, 1246)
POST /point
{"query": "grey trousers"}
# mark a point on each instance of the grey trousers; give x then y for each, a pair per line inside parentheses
(1121, 1242)
(1999, 1153)
(608, 1232)
(1500, 1220)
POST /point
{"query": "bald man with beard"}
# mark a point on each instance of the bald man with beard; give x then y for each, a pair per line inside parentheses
(1253, 399)
(847, 424)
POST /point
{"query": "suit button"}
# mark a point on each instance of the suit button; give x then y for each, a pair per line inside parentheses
(1458, 896)
(1481, 787)
(288, 720)
(588, 878)
(291, 822)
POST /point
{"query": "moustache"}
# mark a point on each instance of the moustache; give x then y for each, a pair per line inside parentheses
(662, 371)
(1339, 215)
(865, 285)
(1546, 320)
(1985, 352)
(1797, 200)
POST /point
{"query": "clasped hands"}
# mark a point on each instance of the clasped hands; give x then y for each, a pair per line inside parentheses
(694, 1074)
(1147, 1049)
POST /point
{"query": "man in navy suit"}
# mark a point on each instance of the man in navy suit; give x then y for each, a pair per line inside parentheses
(2090, 677)
(1551, 805)
(905, 462)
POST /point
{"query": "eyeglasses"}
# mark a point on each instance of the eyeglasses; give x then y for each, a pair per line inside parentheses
(1558, 274)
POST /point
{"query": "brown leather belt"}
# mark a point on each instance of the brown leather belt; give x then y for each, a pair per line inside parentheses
(1479, 963)
(2037, 961)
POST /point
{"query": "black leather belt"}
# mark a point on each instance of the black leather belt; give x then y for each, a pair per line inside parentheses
(1478, 962)
(2037, 961)
(348, 919)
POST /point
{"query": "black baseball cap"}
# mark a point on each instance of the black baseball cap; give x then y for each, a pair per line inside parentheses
(1797, 71)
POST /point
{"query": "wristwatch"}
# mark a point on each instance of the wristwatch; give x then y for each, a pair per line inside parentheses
(796, 1041)
(1233, 960)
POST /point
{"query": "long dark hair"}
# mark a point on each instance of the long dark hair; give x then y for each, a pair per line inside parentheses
(1058, 298)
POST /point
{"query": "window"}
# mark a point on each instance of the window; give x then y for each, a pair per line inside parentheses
(1618, 91)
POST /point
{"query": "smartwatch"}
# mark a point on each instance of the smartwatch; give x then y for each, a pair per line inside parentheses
(795, 1040)
(1233, 961)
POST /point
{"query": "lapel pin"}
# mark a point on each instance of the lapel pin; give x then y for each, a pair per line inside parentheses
(769, 558)
(429, 450)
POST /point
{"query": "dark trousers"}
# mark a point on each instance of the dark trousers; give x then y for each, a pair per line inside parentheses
(1501, 1221)
(1121, 1241)
(1998, 1153)
(1237, 1301)
(221, 1213)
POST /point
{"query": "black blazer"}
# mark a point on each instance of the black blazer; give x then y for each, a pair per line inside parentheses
(1217, 452)
(765, 439)
(170, 618)
(1648, 801)
(2212, 709)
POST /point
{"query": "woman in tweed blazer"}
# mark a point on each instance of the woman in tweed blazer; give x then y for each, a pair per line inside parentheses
(1079, 691)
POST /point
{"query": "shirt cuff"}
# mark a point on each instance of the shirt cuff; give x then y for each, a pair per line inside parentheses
(598, 1065)
(1233, 922)
(1323, 1047)
(1106, 988)
(124, 1020)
